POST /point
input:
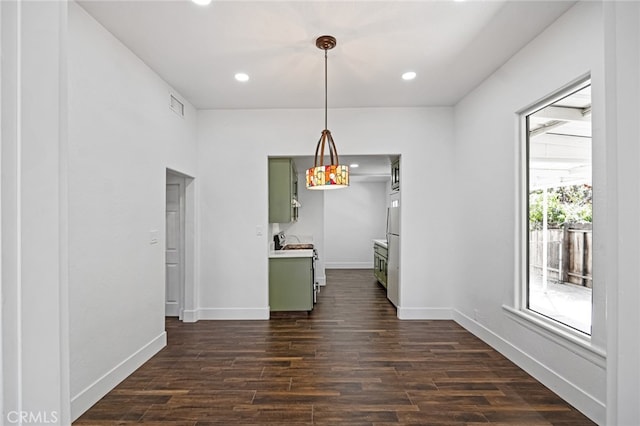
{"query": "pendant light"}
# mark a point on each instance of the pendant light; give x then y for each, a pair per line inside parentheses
(334, 175)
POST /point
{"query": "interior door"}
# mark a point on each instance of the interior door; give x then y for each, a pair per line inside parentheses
(174, 254)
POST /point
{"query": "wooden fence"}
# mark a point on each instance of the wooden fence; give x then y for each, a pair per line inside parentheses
(569, 253)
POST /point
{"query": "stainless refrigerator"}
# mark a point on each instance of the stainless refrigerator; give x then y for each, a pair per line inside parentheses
(393, 262)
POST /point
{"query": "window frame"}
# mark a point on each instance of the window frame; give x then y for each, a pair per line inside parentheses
(575, 340)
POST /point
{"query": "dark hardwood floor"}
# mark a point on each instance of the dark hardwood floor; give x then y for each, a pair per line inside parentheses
(348, 362)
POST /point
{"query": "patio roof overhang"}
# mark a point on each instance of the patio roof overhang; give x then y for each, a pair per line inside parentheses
(560, 143)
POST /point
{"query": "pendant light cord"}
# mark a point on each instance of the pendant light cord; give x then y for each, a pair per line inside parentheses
(325, 89)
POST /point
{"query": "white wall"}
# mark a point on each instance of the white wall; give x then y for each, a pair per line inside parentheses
(233, 147)
(486, 178)
(622, 212)
(353, 218)
(122, 137)
(34, 354)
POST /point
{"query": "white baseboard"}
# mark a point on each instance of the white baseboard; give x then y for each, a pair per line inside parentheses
(348, 265)
(425, 313)
(321, 280)
(233, 313)
(189, 315)
(94, 392)
(584, 402)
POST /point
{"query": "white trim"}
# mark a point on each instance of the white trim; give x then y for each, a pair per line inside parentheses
(95, 391)
(569, 88)
(425, 313)
(578, 343)
(172, 178)
(191, 246)
(233, 313)
(348, 265)
(19, 344)
(63, 219)
(190, 315)
(2, 120)
(521, 248)
(579, 398)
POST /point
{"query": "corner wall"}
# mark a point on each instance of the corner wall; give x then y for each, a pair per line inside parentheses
(122, 138)
(487, 172)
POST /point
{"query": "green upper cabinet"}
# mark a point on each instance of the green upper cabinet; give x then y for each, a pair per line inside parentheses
(395, 175)
(283, 191)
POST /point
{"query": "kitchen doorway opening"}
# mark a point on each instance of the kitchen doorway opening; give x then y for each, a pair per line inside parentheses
(343, 224)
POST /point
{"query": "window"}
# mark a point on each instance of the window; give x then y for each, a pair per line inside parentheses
(559, 219)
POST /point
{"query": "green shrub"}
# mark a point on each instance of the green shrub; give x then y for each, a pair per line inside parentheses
(567, 204)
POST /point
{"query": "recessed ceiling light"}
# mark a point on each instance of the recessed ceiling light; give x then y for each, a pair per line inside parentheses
(202, 2)
(242, 77)
(354, 165)
(409, 75)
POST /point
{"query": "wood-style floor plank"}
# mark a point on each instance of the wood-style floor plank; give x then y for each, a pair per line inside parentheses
(349, 362)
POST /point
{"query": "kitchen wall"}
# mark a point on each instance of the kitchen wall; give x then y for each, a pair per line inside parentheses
(236, 144)
(353, 218)
(311, 223)
(122, 137)
(485, 213)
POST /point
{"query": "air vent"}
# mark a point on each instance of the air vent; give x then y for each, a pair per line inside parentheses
(176, 106)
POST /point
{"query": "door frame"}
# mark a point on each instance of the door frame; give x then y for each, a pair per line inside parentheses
(187, 304)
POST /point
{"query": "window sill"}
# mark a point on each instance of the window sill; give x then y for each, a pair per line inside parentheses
(564, 336)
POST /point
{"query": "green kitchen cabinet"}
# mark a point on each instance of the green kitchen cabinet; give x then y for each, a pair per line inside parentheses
(380, 260)
(291, 284)
(283, 191)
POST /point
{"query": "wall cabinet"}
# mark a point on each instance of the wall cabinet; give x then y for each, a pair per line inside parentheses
(283, 191)
(380, 259)
(291, 284)
(395, 175)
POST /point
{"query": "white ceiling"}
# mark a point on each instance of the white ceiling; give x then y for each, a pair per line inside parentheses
(451, 45)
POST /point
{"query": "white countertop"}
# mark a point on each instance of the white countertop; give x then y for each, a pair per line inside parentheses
(274, 254)
(383, 243)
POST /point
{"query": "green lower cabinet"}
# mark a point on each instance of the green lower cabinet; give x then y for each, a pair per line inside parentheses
(380, 264)
(291, 284)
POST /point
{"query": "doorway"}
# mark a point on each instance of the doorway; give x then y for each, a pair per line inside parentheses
(174, 247)
(344, 224)
(179, 246)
